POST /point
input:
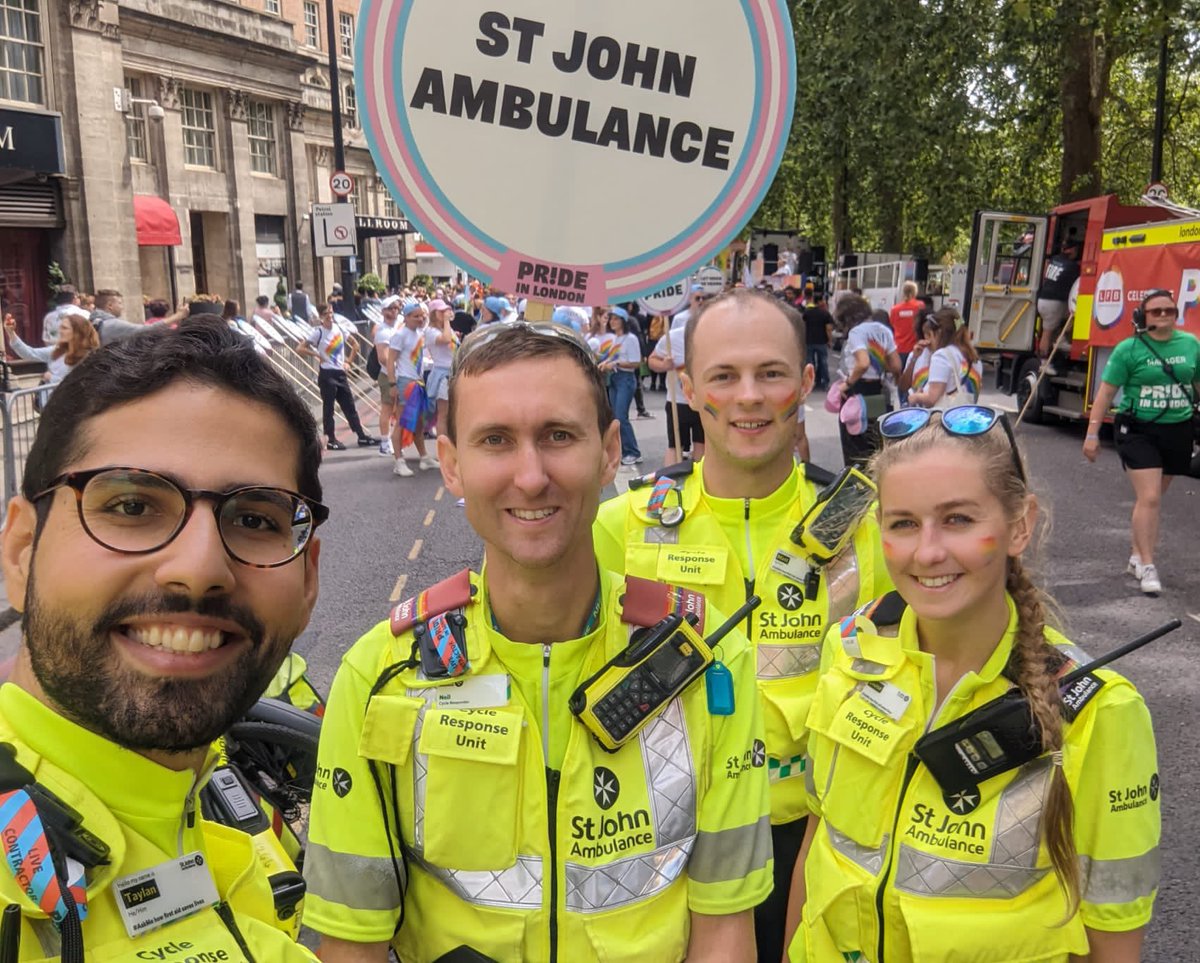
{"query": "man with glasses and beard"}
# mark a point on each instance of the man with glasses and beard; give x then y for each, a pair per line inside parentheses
(162, 551)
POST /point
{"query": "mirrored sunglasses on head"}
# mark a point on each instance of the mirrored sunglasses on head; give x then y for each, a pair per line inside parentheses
(966, 421)
(489, 333)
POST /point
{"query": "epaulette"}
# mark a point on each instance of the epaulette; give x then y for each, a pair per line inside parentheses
(818, 475)
(679, 470)
(887, 610)
(450, 594)
(647, 602)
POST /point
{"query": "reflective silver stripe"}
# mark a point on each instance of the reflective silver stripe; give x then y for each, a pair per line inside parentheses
(862, 856)
(1017, 831)
(661, 535)
(517, 887)
(842, 581)
(926, 875)
(667, 760)
(1016, 835)
(731, 854)
(866, 667)
(360, 882)
(786, 661)
(1120, 880)
(810, 783)
(1074, 653)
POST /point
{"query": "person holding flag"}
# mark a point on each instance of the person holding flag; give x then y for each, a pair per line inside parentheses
(330, 346)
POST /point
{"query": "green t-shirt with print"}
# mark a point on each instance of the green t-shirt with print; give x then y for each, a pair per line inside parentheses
(1149, 393)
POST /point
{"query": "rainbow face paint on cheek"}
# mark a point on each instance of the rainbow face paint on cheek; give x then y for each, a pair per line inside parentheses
(711, 406)
(988, 544)
(889, 550)
(791, 405)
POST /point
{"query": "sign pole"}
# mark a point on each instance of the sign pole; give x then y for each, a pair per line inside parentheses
(349, 280)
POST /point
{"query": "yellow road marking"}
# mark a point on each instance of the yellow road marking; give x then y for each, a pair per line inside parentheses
(399, 588)
(416, 549)
(440, 492)
(429, 518)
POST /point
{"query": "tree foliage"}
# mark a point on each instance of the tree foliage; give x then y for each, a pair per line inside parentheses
(912, 114)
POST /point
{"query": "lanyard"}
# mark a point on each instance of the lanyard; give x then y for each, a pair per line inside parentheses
(589, 626)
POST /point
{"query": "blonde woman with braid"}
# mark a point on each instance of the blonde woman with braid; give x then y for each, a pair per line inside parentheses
(927, 857)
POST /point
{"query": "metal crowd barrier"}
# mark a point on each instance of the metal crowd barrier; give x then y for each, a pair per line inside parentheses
(19, 412)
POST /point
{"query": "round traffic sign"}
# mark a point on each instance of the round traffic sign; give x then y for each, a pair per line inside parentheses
(642, 149)
(341, 183)
(1157, 191)
(340, 233)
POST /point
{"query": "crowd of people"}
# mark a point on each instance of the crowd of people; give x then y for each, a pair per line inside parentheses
(545, 760)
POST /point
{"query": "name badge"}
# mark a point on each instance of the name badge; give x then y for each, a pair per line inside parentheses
(892, 701)
(164, 893)
(692, 566)
(474, 692)
(790, 566)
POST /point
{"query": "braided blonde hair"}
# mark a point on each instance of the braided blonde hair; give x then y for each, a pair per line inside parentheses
(1032, 663)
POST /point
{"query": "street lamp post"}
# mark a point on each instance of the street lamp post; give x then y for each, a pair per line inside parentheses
(349, 273)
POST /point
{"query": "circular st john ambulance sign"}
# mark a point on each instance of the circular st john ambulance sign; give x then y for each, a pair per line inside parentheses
(573, 152)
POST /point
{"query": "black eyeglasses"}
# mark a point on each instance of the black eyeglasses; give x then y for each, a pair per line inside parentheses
(965, 420)
(135, 511)
(490, 332)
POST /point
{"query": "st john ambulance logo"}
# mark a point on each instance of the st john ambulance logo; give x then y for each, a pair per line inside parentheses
(790, 596)
(342, 783)
(963, 802)
(605, 787)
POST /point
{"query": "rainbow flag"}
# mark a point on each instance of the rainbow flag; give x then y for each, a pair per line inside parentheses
(970, 378)
(414, 356)
(335, 344)
(411, 412)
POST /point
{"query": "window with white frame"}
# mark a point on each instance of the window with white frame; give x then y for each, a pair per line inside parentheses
(272, 6)
(22, 54)
(199, 128)
(346, 35)
(350, 107)
(389, 205)
(136, 141)
(312, 24)
(261, 130)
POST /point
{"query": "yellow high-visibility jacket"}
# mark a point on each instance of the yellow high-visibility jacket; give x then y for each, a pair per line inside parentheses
(726, 548)
(901, 872)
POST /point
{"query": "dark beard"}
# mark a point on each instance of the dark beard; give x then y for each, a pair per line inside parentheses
(79, 671)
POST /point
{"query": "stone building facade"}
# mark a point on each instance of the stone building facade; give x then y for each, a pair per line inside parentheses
(218, 109)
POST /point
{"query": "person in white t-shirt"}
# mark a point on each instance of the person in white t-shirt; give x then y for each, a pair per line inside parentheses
(441, 341)
(623, 362)
(381, 338)
(668, 356)
(869, 357)
(408, 353)
(335, 353)
(955, 371)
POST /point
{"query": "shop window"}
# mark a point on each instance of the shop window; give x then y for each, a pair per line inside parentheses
(199, 128)
(261, 130)
(22, 54)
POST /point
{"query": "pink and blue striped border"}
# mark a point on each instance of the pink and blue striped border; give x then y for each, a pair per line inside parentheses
(379, 43)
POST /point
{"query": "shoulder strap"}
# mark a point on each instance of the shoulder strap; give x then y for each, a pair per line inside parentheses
(819, 476)
(679, 470)
(456, 592)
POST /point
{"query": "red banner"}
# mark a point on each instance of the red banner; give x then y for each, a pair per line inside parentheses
(1125, 276)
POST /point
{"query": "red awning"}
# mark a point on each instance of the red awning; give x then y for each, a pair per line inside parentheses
(157, 225)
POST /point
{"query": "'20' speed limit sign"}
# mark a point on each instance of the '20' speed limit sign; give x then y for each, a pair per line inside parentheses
(341, 183)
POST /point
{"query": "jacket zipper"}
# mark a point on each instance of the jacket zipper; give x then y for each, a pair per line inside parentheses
(188, 819)
(909, 771)
(750, 576)
(552, 781)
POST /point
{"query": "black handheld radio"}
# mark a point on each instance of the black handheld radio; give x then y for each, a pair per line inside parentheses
(1003, 734)
(658, 664)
